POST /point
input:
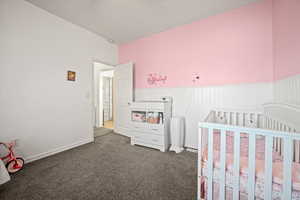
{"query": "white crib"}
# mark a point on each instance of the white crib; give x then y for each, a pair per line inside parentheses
(279, 136)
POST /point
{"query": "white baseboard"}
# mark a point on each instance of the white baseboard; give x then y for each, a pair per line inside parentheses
(57, 150)
(191, 150)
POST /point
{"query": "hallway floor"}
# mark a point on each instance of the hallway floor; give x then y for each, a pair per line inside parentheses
(109, 124)
(101, 131)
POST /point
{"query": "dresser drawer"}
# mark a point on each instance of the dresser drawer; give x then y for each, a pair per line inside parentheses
(155, 131)
(149, 138)
(152, 129)
(158, 106)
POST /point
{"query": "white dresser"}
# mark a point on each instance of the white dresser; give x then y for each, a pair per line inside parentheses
(150, 121)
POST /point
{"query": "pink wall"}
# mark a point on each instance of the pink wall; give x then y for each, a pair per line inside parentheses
(229, 48)
(286, 38)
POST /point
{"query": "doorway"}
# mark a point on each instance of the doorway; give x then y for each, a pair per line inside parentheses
(103, 99)
(107, 98)
(112, 110)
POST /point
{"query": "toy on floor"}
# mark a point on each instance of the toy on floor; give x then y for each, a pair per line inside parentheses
(13, 163)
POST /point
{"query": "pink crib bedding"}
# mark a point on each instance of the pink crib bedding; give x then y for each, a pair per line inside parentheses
(260, 154)
(260, 146)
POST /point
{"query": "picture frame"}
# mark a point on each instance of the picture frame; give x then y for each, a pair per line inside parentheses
(71, 76)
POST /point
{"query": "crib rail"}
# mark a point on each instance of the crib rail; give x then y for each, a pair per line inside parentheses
(256, 119)
(278, 125)
(287, 137)
(245, 118)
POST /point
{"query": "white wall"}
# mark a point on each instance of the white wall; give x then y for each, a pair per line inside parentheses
(96, 95)
(287, 90)
(37, 105)
(195, 103)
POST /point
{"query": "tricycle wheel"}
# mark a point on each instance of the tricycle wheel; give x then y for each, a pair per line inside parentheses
(15, 165)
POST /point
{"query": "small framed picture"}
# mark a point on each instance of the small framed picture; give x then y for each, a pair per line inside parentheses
(71, 76)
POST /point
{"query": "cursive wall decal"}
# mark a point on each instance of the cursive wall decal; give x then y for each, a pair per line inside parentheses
(154, 78)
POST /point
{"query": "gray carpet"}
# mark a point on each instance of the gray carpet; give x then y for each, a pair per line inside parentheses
(101, 131)
(108, 169)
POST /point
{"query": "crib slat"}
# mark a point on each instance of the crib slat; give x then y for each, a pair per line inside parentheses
(235, 119)
(210, 164)
(226, 115)
(236, 183)
(280, 146)
(287, 168)
(264, 122)
(223, 164)
(277, 139)
(277, 144)
(200, 152)
(268, 167)
(199, 162)
(297, 151)
(251, 167)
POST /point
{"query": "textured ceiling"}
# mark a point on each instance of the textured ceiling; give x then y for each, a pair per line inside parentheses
(124, 20)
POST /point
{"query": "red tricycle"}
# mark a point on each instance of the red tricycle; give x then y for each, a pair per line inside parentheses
(13, 163)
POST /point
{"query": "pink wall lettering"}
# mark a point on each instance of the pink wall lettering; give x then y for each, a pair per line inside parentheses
(154, 79)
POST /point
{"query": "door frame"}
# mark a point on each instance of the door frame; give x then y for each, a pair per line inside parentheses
(95, 105)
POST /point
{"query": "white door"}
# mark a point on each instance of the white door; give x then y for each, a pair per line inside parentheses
(123, 93)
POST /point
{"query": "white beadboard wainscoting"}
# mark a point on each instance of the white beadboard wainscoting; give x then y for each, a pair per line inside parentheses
(195, 103)
(288, 90)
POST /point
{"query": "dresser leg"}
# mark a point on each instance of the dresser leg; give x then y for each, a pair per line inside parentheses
(132, 142)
